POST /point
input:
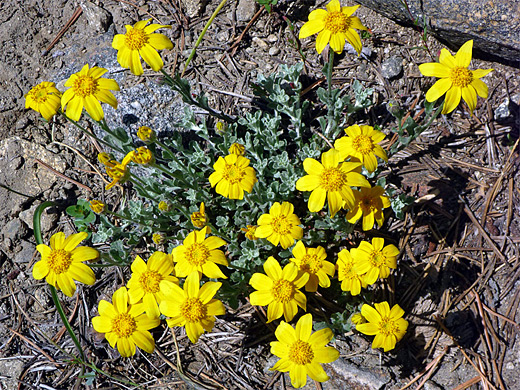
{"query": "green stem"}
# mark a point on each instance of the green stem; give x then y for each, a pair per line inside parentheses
(330, 105)
(39, 240)
(199, 40)
(136, 182)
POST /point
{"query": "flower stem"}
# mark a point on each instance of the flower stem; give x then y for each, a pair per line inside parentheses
(330, 103)
(199, 40)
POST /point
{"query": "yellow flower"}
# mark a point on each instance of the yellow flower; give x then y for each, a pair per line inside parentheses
(158, 238)
(125, 325)
(192, 307)
(139, 41)
(107, 159)
(456, 80)
(143, 156)
(146, 279)
(348, 273)
(361, 143)
(145, 134)
(198, 218)
(97, 206)
(165, 206)
(334, 25)
(118, 171)
(279, 290)
(369, 204)
(220, 127)
(280, 226)
(302, 352)
(62, 262)
(312, 261)
(237, 149)
(233, 176)
(387, 325)
(332, 180)
(44, 98)
(357, 318)
(374, 259)
(198, 253)
(87, 89)
(250, 231)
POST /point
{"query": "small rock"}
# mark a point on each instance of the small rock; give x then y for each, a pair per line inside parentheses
(431, 385)
(48, 220)
(245, 10)
(502, 112)
(260, 43)
(25, 253)
(193, 7)
(274, 51)
(98, 19)
(223, 36)
(272, 38)
(392, 68)
(345, 375)
(14, 230)
(11, 371)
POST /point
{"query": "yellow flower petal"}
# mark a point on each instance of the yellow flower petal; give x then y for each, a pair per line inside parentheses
(452, 99)
(463, 56)
(438, 89)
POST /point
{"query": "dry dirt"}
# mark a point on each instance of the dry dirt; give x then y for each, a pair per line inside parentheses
(458, 276)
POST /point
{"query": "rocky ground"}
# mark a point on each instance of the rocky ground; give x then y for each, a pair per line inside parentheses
(459, 273)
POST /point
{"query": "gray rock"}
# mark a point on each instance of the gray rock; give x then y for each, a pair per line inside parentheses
(26, 251)
(10, 371)
(274, 51)
(392, 68)
(245, 10)
(48, 220)
(345, 375)
(98, 19)
(14, 230)
(507, 108)
(494, 26)
(193, 7)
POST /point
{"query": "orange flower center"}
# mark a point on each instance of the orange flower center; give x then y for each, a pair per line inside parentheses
(377, 259)
(197, 254)
(310, 264)
(136, 39)
(301, 353)
(281, 225)
(337, 22)
(84, 86)
(388, 327)
(461, 77)
(193, 310)
(124, 325)
(232, 173)
(283, 290)
(149, 281)
(39, 94)
(59, 260)
(363, 144)
(332, 179)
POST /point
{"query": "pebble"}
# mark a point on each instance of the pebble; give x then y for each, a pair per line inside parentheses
(272, 38)
(392, 67)
(274, 51)
(98, 19)
(245, 10)
(260, 43)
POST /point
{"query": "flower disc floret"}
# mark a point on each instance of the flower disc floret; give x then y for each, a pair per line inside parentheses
(125, 325)
(385, 323)
(62, 262)
(140, 41)
(335, 26)
(279, 290)
(44, 98)
(456, 80)
(88, 89)
(351, 280)
(331, 179)
(302, 352)
(280, 226)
